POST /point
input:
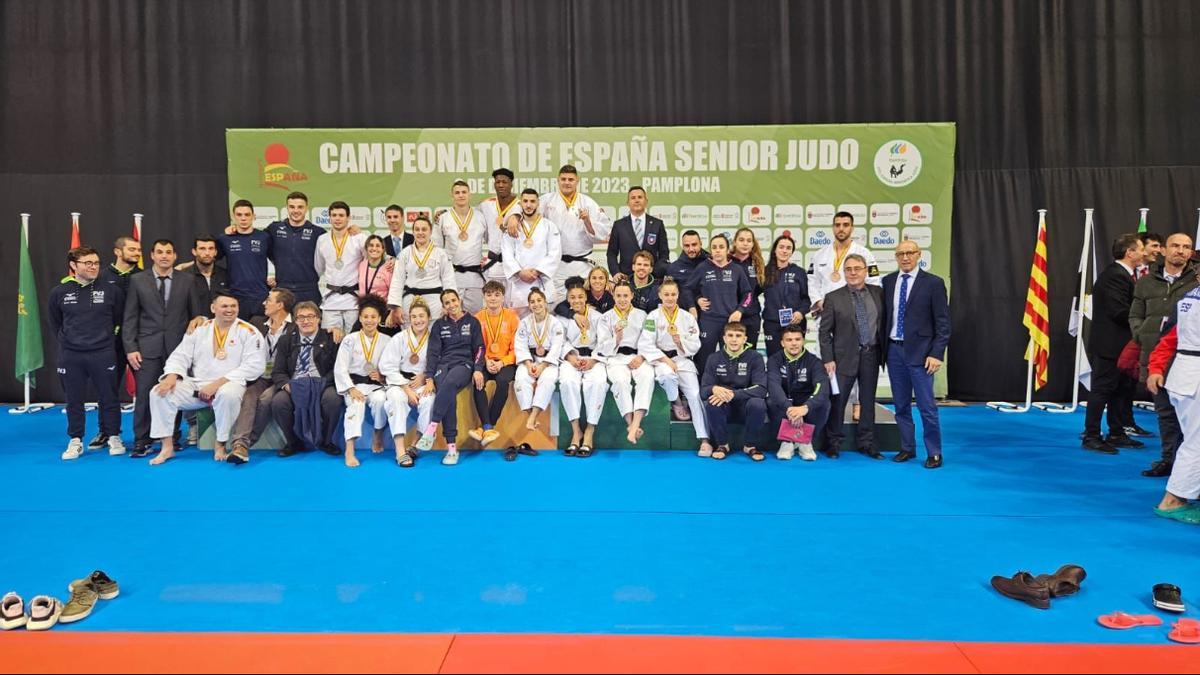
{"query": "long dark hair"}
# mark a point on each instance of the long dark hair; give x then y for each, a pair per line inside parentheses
(771, 274)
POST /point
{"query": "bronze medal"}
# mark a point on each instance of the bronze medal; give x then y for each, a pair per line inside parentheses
(528, 243)
(221, 354)
(836, 276)
(462, 236)
(541, 351)
(414, 359)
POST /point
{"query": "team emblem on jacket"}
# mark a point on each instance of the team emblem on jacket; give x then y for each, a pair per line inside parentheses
(98, 297)
(651, 237)
(743, 368)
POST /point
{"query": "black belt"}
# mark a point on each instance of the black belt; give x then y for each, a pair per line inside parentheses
(627, 351)
(583, 351)
(344, 290)
(465, 269)
(493, 258)
(1187, 352)
(361, 379)
(408, 375)
(411, 290)
(671, 353)
(575, 258)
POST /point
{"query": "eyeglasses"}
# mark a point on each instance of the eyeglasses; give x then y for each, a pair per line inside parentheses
(306, 317)
(907, 254)
(88, 263)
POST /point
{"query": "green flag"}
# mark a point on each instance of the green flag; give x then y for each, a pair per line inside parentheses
(29, 325)
(1142, 223)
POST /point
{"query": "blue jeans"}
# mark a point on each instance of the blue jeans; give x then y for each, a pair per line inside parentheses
(907, 380)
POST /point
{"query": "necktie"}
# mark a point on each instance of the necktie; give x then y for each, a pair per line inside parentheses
(305, 356)
(903, 305)
(860, 318)
(162, 288)
(638, 230)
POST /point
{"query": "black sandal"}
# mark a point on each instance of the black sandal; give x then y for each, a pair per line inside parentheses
(584, 451)
(527, 449)
(510, 453)
(571, 450)
(406, 461)
(755, 454)
(722, 450)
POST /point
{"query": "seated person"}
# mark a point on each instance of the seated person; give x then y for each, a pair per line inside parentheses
(403, 366)
(620, 329)
(735, 388)
(304, 389)
(357, 377)
(454, 361)
(582, 378)
(538, 344)
(499, 327)
(798, 389)
(223, 355)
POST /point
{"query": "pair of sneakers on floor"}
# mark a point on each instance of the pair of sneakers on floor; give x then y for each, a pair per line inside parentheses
(45, 611)
(788, 450)
(75, 447)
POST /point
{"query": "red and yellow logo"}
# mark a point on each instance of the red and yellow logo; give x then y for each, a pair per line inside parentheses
(275, 170)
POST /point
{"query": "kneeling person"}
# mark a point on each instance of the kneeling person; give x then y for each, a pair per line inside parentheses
(798, 389)
(356, 374)
(735, 388)
(223, 355)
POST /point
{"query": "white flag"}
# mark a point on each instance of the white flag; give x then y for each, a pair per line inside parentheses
(1085, 370)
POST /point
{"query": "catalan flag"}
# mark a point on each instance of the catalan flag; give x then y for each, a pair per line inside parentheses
(1037, 313)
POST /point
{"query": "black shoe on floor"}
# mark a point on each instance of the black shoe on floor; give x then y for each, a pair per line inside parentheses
(1123, 441)
(289, 450)
(934, 462)
(1159, 469)
(832, 454)
(1098, 445)
(904, 456)
(1135, 430)
(331, 449)
(99, 441)
(873, 453)
(141, 449)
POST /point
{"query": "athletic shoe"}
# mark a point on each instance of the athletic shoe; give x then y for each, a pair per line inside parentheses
(43, 613)
(98, 442)
(74, 449)
(116, 446)
(12, 611)
(193, 437)
(490, 436)
(106, 586)
(427, 436)
(451, 458)
(1135, 430)
(1167, 597)
(704, 451)
(680, 410)
(787, 450)
(806, 452)
(83, 601)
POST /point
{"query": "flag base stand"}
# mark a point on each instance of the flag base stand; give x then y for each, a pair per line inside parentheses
(30, 408)
(1056, 407)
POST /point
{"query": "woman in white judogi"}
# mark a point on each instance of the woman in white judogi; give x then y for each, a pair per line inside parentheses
(462, 232)
(538, 345)
(357, 378)
(669, 340)
(531, 257)
(620, 329)
(581, 375)
(422, 270)
(403, 366)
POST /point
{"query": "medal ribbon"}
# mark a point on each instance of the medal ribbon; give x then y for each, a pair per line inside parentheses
(463, 225)
(219, 339)
(416, 348)
(416, 255)
(368, 352)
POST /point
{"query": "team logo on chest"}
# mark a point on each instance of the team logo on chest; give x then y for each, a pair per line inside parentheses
(97, 297)
(726, 275)
(743, 369)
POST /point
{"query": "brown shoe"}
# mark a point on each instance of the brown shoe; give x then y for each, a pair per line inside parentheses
(1022, 586)
(1063, 582)
(240, 455)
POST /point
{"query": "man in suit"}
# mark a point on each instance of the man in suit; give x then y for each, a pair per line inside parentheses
(306, 354)
(397, 239)
(160, 304)
(638, 231)
(1111, 298)
(853, 323)
(918, 330)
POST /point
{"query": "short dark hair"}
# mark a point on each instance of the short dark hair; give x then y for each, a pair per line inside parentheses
(574, 281)
(79, 251)
(394, 207)
(297, 195)
(535, 291)
(635, 187)
(493, 286)
(204, 237)
(309, 305)
(690, 233)
(460, 182)
(120, 242)
(568, 168)
(792, 328)
(284, 297)
(844, 214)
(164, 242)
(222, 293)
(735, 326)
(503, 172)
(240, 203)
(372, 301)
(340, 205)
(530, 191)
(1148, 237)
(1122, 244)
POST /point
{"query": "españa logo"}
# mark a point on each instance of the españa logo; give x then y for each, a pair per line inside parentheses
(274, 169)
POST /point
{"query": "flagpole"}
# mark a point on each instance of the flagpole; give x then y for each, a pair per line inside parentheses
(1030, 351)
(1088, 228)
(29, 407)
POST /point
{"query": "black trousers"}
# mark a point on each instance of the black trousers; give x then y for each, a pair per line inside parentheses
(1104, 393)
(867, 379)
(283, 410)
(489, 413)
(74, 370)
(1168, 425)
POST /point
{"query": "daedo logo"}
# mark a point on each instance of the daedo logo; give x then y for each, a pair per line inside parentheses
(885, 237)
(274, 169)
(897, 163)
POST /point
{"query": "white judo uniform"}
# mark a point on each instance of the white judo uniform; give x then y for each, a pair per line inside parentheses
(425, 273)
(1183, 387)
(583, 387)
(619, 337)
(494, 216)
(466, 253)
(357, 357)
(657, 339)
(336, 260)
(544, 253)
(398, 366)
(537, 342)
(576, 241)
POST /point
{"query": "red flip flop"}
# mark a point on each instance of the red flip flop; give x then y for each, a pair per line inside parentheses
(1121, 620)
(1186, 631)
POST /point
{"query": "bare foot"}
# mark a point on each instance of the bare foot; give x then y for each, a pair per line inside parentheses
(351, 460)
(162, 457)
(588, 437)
(219, 453)
(706, 448)
(377, 445)
(532, 422)
(633, 435)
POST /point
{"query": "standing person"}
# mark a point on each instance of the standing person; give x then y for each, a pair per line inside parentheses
(747, 253)
(853, 327)
(463, 233)
(403, 366)
(397, 239)
(1176, 356)
(127, 252)
(204, 265)
(645, 288)
(357, 377)
(539, 344)
(620, 329)
(668, 341)
(582, 377)
(785, 293)
(375, 271)
(293, 250)
(422, 270)
(84, 317)
(1153, 249)
(495, 212)
(499, 332)
(158, 309)
(721, 291)
(797, 389)
(638, 231)
(1154, 298)
(255, 412)
(304, 388)
(734, 387)
(581, 222)
(918, 331)
(454, 361)
(1111, 300)
(681, 268)
(222, 356)
(246, 252)
(337, 257)
(532, 250)
(598, 295)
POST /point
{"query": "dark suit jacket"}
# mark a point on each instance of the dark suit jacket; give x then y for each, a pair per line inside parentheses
(390, 247)
(623, 244)
(926, 317)
(1111, 298)
(155, 329)
(287, 353)
(839, 329)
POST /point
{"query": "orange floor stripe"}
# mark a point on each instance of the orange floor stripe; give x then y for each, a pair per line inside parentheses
(1076, 658)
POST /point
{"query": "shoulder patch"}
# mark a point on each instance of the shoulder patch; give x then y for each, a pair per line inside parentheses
(247, 326)
(873, 271)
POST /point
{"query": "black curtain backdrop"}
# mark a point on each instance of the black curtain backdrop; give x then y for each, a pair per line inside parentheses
(116, 106)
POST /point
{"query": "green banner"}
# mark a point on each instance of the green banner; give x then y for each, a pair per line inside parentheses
(896, 179)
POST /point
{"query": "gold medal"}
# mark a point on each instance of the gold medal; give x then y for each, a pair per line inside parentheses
(502, 213)
(671, 321)
(462, 236)
(583, 330)
(528, 243)
(836, 276)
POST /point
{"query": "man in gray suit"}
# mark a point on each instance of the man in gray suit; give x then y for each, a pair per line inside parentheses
(158, 308)
(853, 323)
